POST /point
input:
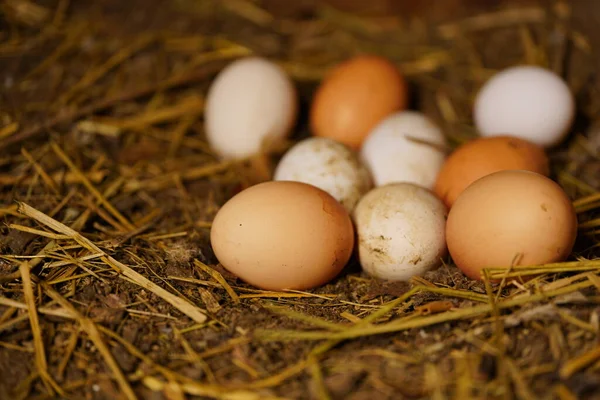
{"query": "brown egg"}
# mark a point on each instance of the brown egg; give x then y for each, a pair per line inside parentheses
(283, 235)
(354, 97)
(483, 156)
(510, 218)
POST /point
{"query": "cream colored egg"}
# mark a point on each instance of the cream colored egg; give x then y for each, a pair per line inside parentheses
(252, 104)
(405, 147)
(400, 231)
(529, 102)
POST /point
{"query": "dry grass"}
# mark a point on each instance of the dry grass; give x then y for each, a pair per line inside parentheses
(108, 286)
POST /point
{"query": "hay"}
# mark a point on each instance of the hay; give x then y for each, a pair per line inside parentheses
(108, 286)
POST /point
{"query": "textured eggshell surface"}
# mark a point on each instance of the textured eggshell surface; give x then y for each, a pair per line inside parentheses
(483, 156)
(283, 235)
(529, 102)
(401, 231)
(406, 146)
(251, 104)
(354, 97)
(510, 217)
(328, 165)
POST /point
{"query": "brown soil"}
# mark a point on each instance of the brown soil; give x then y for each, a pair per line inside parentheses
(70, 72)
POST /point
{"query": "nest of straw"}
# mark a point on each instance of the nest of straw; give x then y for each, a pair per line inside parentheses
(108, 287)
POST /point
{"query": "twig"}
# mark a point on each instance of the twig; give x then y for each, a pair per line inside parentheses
(219, 278)
(580, 362)
(38, 343)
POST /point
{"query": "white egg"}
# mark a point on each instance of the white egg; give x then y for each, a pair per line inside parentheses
(328, 165)
(529, 102)
(400, 230)
(405, 147)
(251, 103)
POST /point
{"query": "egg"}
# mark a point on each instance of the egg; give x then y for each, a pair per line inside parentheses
(251, 105)
(400, 230)
(529, 102)
(507, 218)
(406, 146)
(281, 235)
(354, 97)
(328, 165)
(483, 156)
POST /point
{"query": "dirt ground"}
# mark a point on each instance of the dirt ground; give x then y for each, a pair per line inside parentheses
(108, 285)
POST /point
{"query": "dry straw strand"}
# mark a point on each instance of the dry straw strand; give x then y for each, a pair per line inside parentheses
(185, 307)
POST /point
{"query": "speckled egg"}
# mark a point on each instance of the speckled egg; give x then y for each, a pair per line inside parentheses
(328, 165)
(401, 231)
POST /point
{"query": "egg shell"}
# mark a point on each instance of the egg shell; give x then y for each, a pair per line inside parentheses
(251, 104)
(400, 231)
(529, 102)
(354, 97)
(328, 165)
(406, 146)
(510, 217)
(483, 156)
(283, 235)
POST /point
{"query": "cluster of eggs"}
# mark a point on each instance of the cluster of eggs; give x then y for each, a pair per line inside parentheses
(375, 178)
